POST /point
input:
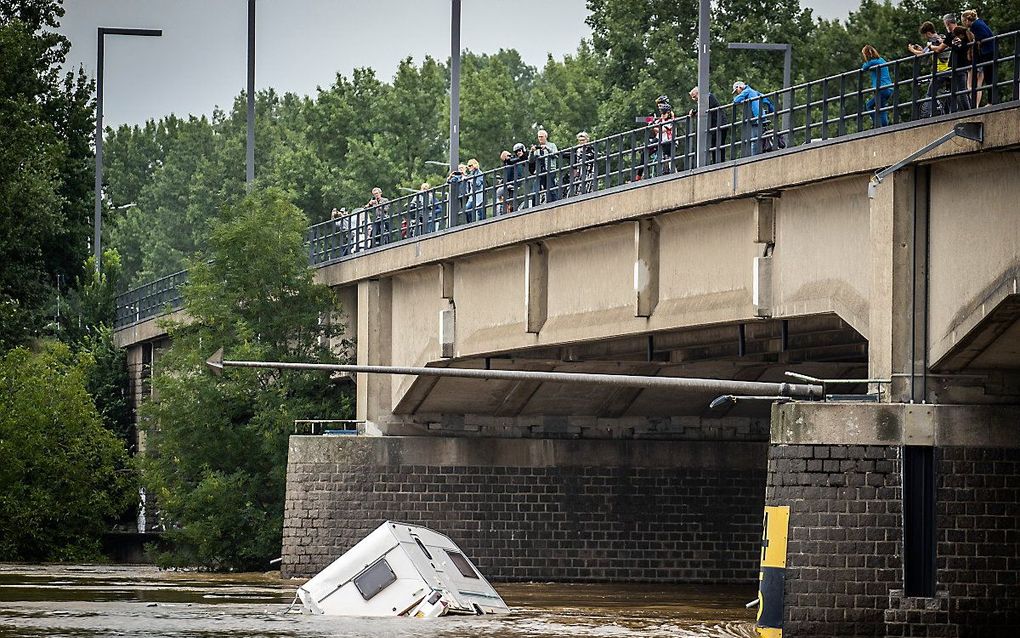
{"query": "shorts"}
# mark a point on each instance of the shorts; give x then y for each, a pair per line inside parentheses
(984, 59)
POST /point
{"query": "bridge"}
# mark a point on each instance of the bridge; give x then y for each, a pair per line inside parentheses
(904, 296)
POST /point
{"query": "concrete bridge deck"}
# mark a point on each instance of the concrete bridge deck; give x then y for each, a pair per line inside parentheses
(741, 271)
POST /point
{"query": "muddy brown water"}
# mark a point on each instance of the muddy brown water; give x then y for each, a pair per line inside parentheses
(85, 601)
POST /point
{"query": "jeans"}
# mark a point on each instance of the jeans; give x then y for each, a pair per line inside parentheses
(544, 182)
(475, 208)
(960, 91)
(380, 232)
(755, 134)
(882, 96)
(937, 87)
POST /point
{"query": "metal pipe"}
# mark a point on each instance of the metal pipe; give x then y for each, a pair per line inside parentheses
(250, 149)
(101, 33)
(810, 379)
(968, 130)
(704, 53)
(454, 84)
(97, 221)
(794, 390)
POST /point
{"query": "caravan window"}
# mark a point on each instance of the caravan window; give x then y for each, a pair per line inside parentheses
(376, 577)
(462, 564)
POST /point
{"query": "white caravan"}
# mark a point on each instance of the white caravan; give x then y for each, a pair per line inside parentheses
(401, 570)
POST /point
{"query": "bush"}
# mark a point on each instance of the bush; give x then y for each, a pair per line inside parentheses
(64, 476)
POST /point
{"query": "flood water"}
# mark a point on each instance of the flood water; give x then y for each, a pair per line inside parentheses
(78, 601)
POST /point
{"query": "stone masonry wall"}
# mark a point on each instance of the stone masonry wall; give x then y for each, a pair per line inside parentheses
(978, 508)
(843, 552)
(564, 510)
(844, 569)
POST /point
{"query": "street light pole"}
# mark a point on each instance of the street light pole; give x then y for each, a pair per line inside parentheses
(704, 51)
(787, 50)
(454, 84)
(250, 149)
(97, 221)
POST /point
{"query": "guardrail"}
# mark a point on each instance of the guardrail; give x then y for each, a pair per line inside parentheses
(149, 300)
(818, 110)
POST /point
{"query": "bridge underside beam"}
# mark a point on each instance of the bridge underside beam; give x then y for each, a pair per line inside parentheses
(820, 345)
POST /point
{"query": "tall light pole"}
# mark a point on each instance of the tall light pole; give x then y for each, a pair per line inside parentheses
(454, 84)
(250, 149)
(704, 50)
(787, 50)
(100, 59)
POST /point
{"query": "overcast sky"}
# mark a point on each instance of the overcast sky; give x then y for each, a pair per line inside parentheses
(199, 63)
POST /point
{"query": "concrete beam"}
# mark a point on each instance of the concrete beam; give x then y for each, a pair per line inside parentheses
(762, 291)
(803, 423)
(446, 280)
(646, 267)
(536, 285)
(765, 220)
(375, 345)
(458, 451)
(890, 309)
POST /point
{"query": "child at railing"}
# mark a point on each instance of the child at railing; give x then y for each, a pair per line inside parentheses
(940, 78)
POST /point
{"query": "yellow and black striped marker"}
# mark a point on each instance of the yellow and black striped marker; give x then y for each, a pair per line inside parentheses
(773, 572)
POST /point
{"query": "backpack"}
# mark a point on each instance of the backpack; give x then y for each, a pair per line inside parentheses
(770, 140)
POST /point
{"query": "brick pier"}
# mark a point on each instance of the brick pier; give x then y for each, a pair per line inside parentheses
(537, 509)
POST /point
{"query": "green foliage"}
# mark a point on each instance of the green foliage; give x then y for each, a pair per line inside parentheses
(64, 476)
(45, 175)
(221, 443)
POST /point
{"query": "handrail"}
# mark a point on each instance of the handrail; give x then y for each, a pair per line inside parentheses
(831, 107)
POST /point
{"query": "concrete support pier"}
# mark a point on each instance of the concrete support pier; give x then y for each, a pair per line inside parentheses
(537, 509)
(839, 469)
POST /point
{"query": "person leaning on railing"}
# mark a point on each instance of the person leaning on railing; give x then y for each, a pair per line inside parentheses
(717, 129)
(381, 217)
(940, 84)
(880, 81)
(582, 165)
(542, 162)
(422, 212)
(475, 189)
(761, 107)
(514, 172)
(664, 130)
(958, 39)
(984, 52)
(342, 223)
(457, 190)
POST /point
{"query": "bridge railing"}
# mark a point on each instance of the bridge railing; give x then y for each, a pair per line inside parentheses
(149, 300)
(807, 113)
(846, 103)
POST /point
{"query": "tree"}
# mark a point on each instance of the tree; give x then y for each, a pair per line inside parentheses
(45, 176)
(493, 105)
(64, 477)
(567, 94)
(220, 444)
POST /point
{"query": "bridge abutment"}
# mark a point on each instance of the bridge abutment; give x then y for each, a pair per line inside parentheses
(537, 509)
(839, 467)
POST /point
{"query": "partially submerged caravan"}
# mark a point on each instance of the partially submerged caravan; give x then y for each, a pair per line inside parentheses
(401, 570)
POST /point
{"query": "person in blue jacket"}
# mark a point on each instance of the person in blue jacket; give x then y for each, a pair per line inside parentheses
(880, 81)
(761, 107)
(985, 52)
